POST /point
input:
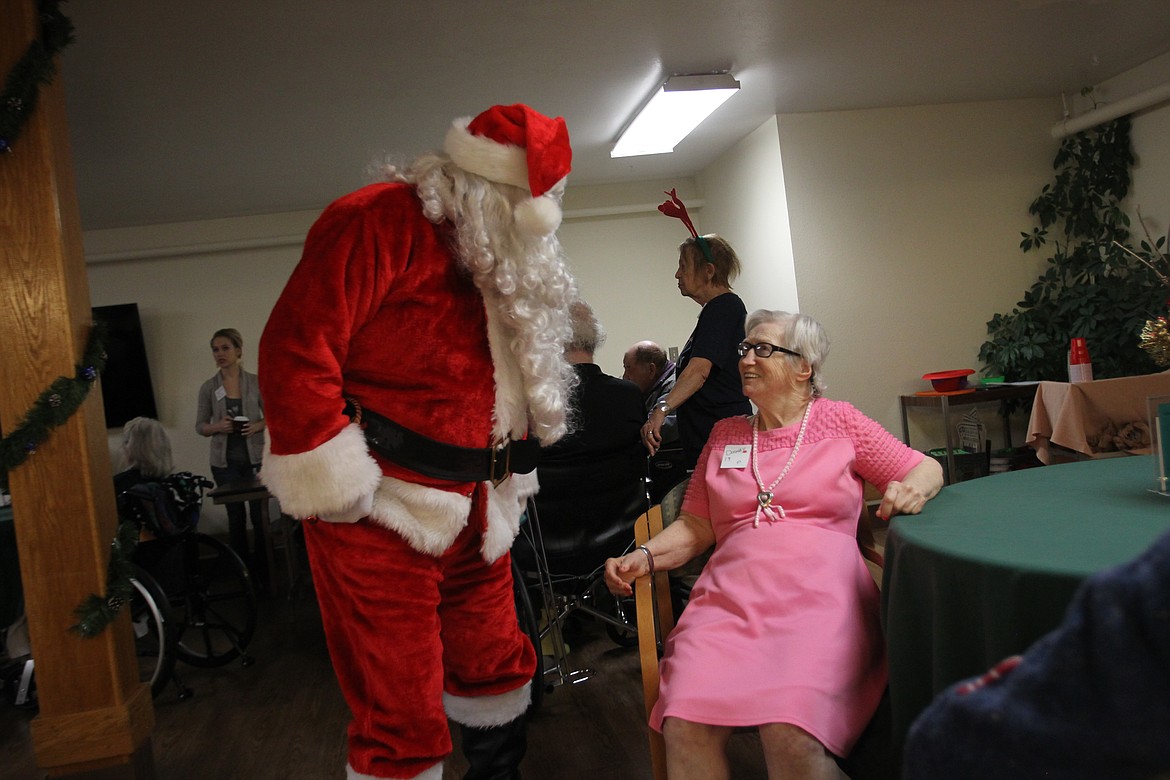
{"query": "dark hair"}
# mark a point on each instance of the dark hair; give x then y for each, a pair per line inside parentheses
(231, 334)
(723, 258)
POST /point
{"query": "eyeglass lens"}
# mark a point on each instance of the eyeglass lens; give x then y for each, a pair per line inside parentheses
(762, 350)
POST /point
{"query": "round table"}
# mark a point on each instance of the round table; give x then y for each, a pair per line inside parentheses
(991, 565)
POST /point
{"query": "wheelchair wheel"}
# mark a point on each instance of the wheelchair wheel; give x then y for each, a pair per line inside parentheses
(217, 601)
(531, 628)
(153, 641)
(625, 611)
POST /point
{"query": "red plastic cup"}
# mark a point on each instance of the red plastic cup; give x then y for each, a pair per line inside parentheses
(1078, 352)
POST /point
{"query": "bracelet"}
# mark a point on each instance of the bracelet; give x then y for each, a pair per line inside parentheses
(649, 557)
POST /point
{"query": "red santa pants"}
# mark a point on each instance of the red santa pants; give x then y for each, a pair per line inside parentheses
(403, 628)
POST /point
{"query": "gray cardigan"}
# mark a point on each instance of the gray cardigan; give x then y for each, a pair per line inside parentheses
(213, 409)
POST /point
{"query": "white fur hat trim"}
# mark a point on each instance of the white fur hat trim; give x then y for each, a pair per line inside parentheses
(494, 161)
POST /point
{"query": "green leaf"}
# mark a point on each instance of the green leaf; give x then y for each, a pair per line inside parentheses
(1088, 287)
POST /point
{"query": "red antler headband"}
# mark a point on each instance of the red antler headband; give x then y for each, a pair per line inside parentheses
(677, 209)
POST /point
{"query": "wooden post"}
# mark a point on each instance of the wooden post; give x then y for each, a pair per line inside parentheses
(95, 716)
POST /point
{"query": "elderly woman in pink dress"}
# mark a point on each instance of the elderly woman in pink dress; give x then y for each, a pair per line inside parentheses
(782, 629)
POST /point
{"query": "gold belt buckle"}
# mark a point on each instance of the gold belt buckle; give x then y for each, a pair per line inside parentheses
(506, 448)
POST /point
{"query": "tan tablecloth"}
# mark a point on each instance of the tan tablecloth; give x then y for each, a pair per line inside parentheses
(1084, 417)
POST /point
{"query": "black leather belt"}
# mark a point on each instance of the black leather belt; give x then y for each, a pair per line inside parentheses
(439, 460)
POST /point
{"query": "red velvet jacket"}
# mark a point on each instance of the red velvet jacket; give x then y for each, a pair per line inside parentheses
(379, 309)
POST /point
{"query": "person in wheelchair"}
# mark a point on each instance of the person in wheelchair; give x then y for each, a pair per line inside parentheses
(200, 579)
(149, 493)
(146, 454)
(603, 446)
(782, 630)
(591, 481)
(148, 490)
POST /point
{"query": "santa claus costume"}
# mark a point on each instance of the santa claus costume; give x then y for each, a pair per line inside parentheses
(408, 369)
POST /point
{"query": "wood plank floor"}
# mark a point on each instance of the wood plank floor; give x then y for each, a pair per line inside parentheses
(284, 717)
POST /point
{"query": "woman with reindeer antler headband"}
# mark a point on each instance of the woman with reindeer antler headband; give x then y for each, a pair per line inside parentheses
(707, 387)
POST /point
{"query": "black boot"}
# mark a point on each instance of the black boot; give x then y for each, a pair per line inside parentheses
(494, 753)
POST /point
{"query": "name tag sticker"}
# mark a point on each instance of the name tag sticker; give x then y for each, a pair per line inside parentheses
(220, 393)
(735, 456)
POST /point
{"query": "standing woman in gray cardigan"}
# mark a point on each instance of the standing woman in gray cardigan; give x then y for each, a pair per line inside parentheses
(235, 451)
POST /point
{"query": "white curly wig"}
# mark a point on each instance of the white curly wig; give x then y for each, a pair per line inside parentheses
(524, 277)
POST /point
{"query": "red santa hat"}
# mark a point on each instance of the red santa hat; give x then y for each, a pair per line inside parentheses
(519, 146)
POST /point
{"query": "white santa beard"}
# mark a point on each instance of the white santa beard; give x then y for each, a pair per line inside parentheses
(526, 289)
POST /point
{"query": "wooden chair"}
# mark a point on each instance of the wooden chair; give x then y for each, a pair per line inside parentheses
(655, 619)
(655, 612)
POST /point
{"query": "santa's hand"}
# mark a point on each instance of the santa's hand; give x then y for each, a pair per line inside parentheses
(351, 514)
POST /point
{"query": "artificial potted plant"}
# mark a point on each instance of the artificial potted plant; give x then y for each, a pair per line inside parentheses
(1093, 286)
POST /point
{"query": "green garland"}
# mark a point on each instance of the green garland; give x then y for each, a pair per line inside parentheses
(96, 612)
(35, 68)
(53, 406)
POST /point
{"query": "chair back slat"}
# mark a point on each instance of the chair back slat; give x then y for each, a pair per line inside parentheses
(655, 618)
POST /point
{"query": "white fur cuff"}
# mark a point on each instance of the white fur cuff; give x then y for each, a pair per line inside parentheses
(427, 518)
(323, 481)
(431, 773)
(486, 711)
(506, 503)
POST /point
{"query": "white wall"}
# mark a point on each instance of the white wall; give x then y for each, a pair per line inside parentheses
(746, 204)
(1151, 172)
(905, 226)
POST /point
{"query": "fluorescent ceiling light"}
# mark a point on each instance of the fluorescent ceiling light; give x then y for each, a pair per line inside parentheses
(676, 109)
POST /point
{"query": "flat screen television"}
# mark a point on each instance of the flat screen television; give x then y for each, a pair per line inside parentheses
(126, 388)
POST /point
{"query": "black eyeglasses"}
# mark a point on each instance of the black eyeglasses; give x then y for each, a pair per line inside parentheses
(763, 349)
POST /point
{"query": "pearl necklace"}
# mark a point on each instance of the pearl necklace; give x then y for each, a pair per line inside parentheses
(764, 497)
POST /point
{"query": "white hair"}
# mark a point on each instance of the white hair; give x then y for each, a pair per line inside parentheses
(803, 334)
(588, 332)
(524, 278)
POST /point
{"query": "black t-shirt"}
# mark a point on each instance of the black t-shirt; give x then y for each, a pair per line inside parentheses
(718, 332)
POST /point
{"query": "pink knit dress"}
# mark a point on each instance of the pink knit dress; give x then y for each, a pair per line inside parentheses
(783, 624)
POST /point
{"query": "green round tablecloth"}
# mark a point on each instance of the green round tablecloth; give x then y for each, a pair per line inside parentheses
(991, 565)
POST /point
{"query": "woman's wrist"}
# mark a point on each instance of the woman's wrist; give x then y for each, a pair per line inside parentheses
(649, 557)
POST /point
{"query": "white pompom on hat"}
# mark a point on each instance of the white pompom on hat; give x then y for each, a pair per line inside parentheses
(519, 146)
